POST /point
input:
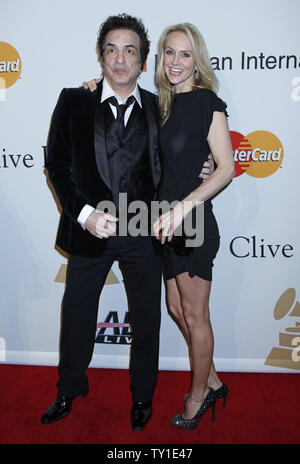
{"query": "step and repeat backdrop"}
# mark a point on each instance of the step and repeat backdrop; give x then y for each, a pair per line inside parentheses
(255, 50)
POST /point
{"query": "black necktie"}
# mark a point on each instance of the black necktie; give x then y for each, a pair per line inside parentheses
(114, 138)
(118, 125)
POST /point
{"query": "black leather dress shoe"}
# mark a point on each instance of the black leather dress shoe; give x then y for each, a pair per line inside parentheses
(59, 409)
(140, 415)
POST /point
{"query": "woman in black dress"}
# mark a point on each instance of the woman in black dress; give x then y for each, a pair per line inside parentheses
(194, 124)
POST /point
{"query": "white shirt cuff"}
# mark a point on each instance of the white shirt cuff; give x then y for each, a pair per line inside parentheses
(84, 214)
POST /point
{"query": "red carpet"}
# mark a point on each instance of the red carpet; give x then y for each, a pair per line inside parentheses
(260, 409)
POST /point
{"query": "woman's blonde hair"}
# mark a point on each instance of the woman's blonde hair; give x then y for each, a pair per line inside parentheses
(204, 74)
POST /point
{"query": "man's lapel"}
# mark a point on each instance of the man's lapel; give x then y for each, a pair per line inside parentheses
(99, 138)
(150, 112)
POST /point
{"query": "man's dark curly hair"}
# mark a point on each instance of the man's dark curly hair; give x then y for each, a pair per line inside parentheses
(124, 21)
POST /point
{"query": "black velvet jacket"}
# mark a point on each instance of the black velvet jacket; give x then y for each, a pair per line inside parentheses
(77, 161)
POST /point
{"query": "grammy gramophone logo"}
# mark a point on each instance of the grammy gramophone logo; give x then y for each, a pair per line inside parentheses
(287, 354)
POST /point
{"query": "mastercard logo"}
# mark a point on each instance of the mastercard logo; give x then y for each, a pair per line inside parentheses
(10, 65)
(259, 153)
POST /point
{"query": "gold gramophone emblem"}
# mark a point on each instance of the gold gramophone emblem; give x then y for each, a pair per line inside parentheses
(287, 355)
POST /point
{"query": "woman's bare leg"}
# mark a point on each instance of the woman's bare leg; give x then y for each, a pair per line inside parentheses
(188, 302)
(175, 309)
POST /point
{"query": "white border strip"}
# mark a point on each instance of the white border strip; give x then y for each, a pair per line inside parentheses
(122, 362)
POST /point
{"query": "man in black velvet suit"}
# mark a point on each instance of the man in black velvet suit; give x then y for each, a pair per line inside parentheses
(92, 158)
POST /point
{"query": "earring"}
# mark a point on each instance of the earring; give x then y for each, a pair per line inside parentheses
(196, 74)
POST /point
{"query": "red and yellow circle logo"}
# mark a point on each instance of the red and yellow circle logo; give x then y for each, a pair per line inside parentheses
(10, 64)
(259, 153)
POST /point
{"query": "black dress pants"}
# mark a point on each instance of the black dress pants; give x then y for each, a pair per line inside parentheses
(141, 265)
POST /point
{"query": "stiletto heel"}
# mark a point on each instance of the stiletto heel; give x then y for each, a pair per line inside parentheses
(213, 407)
(222, 392)
(190, 424)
